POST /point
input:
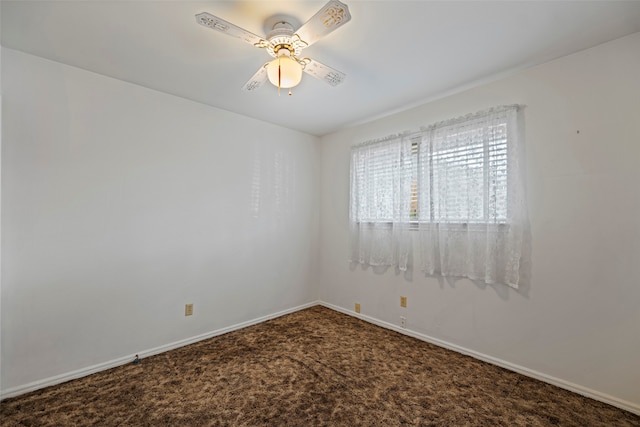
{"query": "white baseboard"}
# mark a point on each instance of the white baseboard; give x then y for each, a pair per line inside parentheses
(36, 385)
(593, 394)
(611, 400)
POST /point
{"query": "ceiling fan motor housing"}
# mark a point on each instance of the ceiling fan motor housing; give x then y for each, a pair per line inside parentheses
(282, 37)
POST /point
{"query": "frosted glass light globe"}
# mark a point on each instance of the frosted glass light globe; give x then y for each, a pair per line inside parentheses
(285, 71)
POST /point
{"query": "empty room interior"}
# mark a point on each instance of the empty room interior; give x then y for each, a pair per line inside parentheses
(320, 213)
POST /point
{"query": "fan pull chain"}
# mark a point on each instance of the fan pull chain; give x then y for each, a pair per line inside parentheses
(279, 76)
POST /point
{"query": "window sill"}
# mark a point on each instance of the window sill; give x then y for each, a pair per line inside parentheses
(417, 225)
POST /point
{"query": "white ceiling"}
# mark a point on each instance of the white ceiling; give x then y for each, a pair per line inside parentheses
(396, 54)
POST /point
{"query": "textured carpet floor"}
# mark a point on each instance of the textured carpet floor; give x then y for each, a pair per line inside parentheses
(313, 367)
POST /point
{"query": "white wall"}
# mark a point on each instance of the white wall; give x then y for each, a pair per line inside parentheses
(122, 204)
(577, 319)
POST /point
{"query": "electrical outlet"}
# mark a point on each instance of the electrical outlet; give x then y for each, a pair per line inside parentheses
(403, 322)
(357, 307)
(403, 302)
(188, 309)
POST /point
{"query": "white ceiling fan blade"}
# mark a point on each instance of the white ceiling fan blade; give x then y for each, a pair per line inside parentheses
(332, 16)
(323, 72)
(218, 24)
(257, 80)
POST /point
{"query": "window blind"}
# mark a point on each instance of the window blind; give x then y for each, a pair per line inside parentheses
(378, 171)
(463, 173)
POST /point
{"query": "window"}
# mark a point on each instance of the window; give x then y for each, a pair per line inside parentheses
(457, 183)
(379, 170)
(463, 173)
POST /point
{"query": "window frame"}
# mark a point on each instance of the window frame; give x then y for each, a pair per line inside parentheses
(414, 214)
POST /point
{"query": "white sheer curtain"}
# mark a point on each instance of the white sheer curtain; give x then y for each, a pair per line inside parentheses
(454, 190)
(381, 178)
(471, 207)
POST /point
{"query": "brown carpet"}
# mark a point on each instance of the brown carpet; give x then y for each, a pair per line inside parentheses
(315, 367)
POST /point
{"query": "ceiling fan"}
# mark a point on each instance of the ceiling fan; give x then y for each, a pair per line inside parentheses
(285, 45)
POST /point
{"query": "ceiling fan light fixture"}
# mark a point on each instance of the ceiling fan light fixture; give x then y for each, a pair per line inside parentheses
(284, 71)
